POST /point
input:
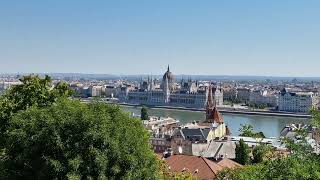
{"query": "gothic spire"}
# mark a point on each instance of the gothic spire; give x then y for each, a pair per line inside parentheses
(210, 103)
(212, 113)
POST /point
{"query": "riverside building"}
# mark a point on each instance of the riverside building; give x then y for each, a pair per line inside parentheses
(265, 97)
(297, 101)
(196, 138)
(187, 93)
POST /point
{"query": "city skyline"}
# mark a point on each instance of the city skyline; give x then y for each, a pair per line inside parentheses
(209, 38)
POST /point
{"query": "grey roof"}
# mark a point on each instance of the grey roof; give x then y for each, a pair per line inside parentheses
(193, 134)
(217, 149)
(205, 132)
(290, 130)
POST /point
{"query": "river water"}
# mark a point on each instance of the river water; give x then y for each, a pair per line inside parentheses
(270, 126)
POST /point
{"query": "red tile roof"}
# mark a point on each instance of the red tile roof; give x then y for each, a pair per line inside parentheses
(227, 163)
(213, 115)
(217, 117)
(205, 168)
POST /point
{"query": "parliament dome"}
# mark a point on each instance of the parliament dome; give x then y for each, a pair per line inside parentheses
(168, 75)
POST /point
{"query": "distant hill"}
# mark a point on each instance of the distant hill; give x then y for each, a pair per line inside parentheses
(177, 77)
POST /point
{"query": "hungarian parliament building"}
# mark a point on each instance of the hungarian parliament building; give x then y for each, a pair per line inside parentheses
(186, 93)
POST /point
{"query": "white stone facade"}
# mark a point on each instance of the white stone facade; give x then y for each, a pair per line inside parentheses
(188, 95)
(297, 101)
(259, 97)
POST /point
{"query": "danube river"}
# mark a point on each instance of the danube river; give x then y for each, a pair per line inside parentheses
(270, 126)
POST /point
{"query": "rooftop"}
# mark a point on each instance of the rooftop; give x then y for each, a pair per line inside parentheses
(200, 167)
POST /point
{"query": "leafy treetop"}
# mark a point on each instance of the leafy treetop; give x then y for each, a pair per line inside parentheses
(144, 113)
(247, 131)
(45, 135)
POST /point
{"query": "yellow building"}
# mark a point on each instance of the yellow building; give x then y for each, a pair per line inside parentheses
(195, 138)
(214, 120)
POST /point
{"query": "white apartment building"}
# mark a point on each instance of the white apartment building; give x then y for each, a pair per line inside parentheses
(297, 101)
(95, 91)
(263, 97)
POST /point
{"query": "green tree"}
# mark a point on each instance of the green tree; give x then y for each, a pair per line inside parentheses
(32, 92)
(247, 131)
(70, 139)
(315, 118)
(259, 135)
(242, 153)
(292, 167)
(301, 163)
(44, 135)
(244, 173)
(144, 113)
(260, 153)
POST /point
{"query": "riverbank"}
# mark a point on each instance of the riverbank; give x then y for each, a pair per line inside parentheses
(223, 110)
(271, 126)
(229, 111)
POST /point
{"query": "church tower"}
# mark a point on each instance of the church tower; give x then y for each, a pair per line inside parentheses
(212, 113)
(214, 119)
(169, 77)
(151, 84)
(166, 90)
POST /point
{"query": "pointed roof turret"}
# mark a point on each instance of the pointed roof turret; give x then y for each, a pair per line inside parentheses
(217, 117)
(168, 75)
(212, 113)
(213, 116)
(210, 103)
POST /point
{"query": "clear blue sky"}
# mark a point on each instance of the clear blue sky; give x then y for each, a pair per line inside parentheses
(232, 37)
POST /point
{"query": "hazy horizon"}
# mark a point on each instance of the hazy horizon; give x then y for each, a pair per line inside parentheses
(183, 76)
(227, 38)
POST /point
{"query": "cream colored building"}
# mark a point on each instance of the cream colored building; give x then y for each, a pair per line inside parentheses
(193, 138)
(297, 101)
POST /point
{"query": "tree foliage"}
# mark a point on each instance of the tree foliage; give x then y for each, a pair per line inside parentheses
(258, 106)
(233, 100)
(45, 135)
(315, 117)
(32, 92)
(293, 167)
(74, 139)
(247, 131)
(144, 113)
(242, 153)
(301, 163)
(261, 153)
